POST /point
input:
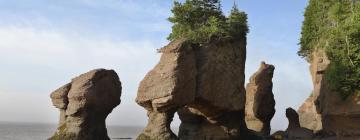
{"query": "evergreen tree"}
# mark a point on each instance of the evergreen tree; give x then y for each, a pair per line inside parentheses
(237, 21)
(196, 19)
(202, 20)
(335, 27)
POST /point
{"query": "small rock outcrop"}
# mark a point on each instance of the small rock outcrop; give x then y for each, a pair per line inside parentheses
(166, 88)
(293, 118)
(84, 104)
(279, 135)
(294, 130)
(308, 116)
(260, 102)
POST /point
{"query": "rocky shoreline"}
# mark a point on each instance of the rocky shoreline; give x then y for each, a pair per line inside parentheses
(204, 85)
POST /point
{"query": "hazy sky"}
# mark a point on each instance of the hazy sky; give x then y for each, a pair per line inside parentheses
(45, 43)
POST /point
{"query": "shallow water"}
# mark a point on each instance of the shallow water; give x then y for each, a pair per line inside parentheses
(30, 131)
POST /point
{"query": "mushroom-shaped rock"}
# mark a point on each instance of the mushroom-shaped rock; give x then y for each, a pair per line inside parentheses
(85, 103)
(260, 102)
(294, 129)
(167, 87)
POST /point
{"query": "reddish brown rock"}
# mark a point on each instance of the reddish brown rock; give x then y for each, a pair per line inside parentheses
(168, 86)
(84, 105)
(220, 95)
(207, 80)
(294, 130)
(333, 114)
(339, 116)
(293, 118)
(194, 127)
(308, 116)
(260, 102)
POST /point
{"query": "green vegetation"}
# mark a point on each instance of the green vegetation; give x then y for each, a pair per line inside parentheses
(201, 21)
(62, 135)
(334, 25)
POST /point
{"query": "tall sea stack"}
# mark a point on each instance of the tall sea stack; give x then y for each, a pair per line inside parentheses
(260, 102)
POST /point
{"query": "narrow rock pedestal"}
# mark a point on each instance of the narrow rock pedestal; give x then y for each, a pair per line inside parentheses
(260, 102)
(158, 127)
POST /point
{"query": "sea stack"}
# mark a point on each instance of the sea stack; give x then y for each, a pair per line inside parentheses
(84, 104)
(220, 94)
(260, 102)
(205, 81)
(166, 88)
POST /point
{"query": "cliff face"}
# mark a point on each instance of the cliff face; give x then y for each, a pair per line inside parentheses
(309, 116)
(325, 109)
(330, 42)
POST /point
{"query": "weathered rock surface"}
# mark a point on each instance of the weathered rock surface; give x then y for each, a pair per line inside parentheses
(260, 102)
(309, 118)
(205, 80)
(339, 116)
(220, 94)
(333, 114)
(85, 103)
(170, 85)
(294, 129)
(196, 127)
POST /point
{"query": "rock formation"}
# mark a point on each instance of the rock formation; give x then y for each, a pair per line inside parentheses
(260, 102)
(84, 104)
(220, 94)
(309, 118)
(333, 114)
(294, 129)
(169, 86)
(334, 68)
(195, 127)
(293, 118)
(338, 116)
(204, 80)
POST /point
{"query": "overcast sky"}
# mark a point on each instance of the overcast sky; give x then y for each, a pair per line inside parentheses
(45, 43)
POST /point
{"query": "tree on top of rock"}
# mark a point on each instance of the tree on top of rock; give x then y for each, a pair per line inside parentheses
(202, 20)
(237, 21)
